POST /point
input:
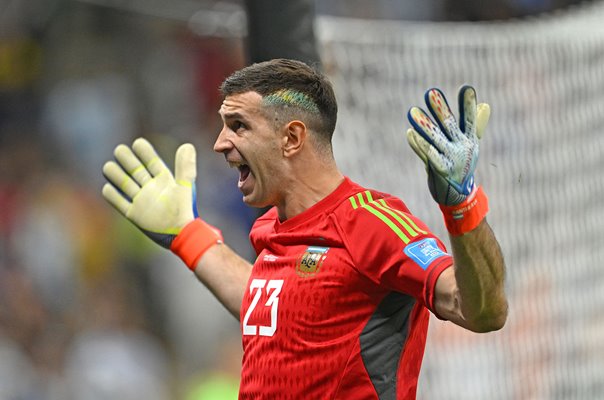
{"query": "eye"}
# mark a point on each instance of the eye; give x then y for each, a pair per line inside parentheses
(237, 125)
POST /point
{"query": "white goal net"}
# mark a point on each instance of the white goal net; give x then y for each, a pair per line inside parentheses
(541, 164)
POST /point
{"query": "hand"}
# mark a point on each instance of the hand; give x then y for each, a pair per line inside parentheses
(449, 150)
(144, 190)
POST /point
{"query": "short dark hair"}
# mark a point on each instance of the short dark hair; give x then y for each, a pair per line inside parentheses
(292, 87)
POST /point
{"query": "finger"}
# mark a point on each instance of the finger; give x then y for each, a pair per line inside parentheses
(185, 168)
(119, 179)
(438, 161)
(131, 164)
(114, 198)
(427, 129)
(467, 110)
(483, 114)
(414, 141)
(439, 108)
(149, 157)
(430, 155)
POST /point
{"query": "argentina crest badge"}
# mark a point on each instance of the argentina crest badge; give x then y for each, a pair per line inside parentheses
(310, 261)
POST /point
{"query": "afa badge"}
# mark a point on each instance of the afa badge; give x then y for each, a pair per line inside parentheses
(310, 261)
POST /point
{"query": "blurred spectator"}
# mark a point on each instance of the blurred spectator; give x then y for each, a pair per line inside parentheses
(222, 381)
(88, 118)
(112, 355)
(18, 379)
(24, 322)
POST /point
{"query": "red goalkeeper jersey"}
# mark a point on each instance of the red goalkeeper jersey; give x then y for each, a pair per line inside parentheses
(337, 302)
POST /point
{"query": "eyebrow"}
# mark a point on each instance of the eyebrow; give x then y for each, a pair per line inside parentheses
(231, 115)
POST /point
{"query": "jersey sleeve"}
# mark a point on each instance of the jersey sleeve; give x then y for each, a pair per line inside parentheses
(393, 248)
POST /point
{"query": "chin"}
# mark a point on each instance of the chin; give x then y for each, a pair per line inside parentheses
(251, 201)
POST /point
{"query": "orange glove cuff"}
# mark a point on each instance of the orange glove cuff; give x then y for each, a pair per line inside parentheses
(462, 218)
(194, 240)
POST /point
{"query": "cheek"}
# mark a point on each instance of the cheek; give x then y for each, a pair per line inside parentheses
(270, 157)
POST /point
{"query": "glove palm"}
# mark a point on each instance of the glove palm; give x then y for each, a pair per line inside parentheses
(154, 200)
(449, 150)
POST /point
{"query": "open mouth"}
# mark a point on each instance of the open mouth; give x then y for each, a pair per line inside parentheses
(244, 171)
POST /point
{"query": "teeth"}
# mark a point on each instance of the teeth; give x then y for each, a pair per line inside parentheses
(234, 164)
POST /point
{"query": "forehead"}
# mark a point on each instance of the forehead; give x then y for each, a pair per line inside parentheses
(244, 104)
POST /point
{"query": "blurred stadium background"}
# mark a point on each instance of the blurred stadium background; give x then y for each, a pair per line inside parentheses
(90, 310)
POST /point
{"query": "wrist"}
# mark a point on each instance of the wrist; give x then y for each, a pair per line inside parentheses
(194, 240)
(467, 215)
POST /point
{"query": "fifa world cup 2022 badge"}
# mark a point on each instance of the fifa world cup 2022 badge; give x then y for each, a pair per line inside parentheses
(311, 260)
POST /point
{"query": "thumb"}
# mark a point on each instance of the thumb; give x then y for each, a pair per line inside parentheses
(483, 113)
(185, 168)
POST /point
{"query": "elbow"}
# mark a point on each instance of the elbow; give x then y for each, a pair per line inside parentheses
(490, 325)
(490, 321)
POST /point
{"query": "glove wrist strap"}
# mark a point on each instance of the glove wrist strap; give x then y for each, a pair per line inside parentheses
(194, 240)
(465, 216)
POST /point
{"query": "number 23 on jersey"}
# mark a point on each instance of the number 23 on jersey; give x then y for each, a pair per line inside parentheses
(272, 289)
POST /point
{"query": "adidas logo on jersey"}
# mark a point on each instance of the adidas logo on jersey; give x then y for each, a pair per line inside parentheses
(270, 257)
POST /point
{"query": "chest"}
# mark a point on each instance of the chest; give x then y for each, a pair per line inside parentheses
(308, 294)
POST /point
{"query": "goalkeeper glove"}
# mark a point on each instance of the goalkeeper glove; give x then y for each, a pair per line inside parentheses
(160, 204)
(450, 152)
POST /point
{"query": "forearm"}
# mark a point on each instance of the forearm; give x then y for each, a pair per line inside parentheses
(225, 274)
(479, 274)
(142, 188)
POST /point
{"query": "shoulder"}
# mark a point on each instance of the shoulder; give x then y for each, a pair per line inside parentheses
(374, 222)
(368, 212)
(391, 246)
(376, 225)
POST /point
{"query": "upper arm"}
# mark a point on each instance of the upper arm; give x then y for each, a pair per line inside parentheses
(394, 249)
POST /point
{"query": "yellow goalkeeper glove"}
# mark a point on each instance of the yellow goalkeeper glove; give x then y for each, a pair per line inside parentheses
(142, 188)
(450, 152)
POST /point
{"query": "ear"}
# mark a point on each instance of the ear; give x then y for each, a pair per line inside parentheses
(294, 137)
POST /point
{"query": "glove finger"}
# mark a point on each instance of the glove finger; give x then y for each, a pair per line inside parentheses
(147, 154)
(185, 169)
(427, 129)
(429, 155)
(483, 113)
(467, 110)
(414, 141)
(131, 164)
(438, 161)
(119, 179)
(114, 197)
(439, 108)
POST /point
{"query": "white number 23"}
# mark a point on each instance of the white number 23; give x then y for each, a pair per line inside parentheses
(273, 288)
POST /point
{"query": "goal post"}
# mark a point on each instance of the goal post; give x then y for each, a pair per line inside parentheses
(541, 163)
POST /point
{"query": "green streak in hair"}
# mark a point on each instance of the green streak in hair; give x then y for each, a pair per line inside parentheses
(289, 97)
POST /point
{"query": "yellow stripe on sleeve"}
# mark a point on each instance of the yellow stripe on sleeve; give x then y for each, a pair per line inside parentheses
(387, 221)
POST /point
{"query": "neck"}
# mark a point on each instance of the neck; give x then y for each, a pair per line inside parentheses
(309, 184)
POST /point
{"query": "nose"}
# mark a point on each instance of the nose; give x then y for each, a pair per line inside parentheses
(222, 143)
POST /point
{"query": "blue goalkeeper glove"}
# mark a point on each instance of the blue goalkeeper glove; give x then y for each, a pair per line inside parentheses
(162, 205)
(449, 150)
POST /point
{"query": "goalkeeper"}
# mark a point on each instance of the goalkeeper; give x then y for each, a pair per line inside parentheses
(336, 304)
